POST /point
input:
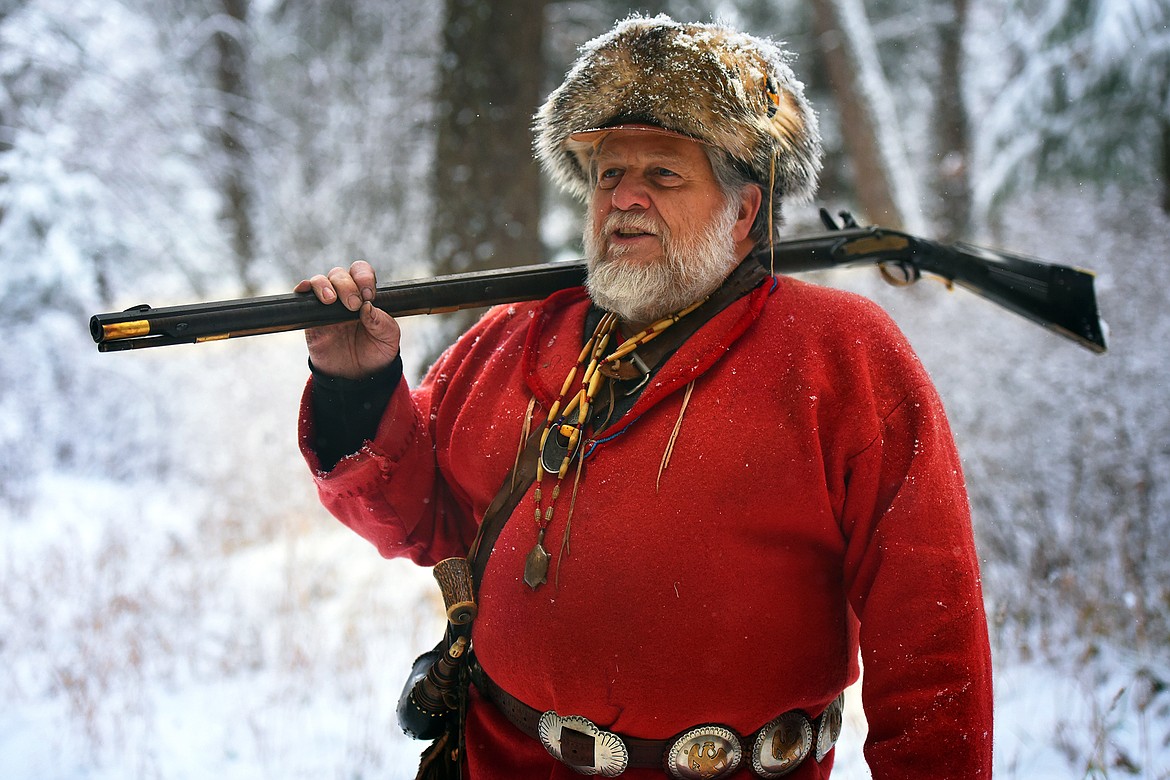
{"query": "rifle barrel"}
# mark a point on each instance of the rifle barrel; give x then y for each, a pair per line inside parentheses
(143, 326)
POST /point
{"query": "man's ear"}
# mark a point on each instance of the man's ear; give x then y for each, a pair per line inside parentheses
(750, 198)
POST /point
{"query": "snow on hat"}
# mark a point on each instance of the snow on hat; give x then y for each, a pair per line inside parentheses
(708, 82)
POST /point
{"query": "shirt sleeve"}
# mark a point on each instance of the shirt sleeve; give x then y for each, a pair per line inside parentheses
(392, 490)
(913, 579)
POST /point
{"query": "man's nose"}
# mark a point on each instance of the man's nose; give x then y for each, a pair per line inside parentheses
(631, 193)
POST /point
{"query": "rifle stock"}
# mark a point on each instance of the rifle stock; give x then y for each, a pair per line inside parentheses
(1058, 297)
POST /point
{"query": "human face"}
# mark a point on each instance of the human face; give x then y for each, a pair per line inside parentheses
(662, 233)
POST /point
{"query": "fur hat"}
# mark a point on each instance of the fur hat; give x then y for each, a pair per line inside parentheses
(721, 87)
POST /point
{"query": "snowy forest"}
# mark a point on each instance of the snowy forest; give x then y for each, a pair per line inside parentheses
(173, 601)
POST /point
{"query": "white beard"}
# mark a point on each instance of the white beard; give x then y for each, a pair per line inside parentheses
(689, 271)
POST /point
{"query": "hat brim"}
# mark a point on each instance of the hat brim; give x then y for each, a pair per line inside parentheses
(583, 140)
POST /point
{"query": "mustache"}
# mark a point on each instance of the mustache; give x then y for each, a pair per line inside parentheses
(625, 220)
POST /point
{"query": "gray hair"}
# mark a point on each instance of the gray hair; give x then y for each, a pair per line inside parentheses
(732, 178)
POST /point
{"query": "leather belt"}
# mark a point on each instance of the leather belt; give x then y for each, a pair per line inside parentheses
(708, 751)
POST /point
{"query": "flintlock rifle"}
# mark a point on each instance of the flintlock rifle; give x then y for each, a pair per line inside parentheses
(1059, 297)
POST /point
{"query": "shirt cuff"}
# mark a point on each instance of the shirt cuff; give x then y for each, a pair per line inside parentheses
(346, 412)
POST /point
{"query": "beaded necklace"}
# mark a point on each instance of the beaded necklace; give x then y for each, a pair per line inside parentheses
(561, 440)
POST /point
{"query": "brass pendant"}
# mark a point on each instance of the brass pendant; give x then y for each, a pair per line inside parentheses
(536, 565)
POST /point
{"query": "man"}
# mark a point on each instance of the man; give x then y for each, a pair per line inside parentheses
(742, 479)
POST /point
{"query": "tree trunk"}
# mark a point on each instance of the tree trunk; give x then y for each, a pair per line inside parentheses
(487, 184)
(882, 178)
(235, 175)
(1164, 164)
(952, 173)
(487, 187)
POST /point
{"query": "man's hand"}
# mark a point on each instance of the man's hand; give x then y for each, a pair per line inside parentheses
(351, 349)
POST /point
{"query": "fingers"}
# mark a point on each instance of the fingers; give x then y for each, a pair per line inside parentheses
(320, 286)
(364, 277)
(352, 286)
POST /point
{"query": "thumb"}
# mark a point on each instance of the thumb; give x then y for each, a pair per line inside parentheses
(380, 326)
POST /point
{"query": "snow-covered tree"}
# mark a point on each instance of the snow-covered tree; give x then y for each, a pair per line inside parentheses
(345, 93)
(1079, 91)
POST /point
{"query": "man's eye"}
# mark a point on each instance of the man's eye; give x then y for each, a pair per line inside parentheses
(609, 178)
(666, 176)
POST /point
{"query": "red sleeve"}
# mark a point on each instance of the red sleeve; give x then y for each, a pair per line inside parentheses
(389, 491)
(913, 581)
(392, 491)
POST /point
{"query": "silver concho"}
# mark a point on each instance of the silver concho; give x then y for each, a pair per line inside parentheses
(609, 752)
(830, 727)
(704, 753)
(782, 745)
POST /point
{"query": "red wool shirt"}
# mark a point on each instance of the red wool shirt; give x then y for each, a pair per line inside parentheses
(813, 504)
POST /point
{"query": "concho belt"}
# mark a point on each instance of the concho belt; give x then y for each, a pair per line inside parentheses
(705, 752)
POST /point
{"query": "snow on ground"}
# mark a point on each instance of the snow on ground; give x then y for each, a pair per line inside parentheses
(134, 652)
(131, 648)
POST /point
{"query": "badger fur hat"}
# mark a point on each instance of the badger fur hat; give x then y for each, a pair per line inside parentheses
(718, 86)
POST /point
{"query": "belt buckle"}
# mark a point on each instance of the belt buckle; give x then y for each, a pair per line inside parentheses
(704, 753)
(782, 745)
(579, 744)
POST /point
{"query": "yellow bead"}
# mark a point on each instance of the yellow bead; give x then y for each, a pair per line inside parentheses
(595, 384)
(569, 380)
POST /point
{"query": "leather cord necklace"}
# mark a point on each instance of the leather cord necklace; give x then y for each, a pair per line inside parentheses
(746, 277)
(560, 439)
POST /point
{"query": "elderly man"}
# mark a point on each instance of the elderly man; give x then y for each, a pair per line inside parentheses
(734, 482)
